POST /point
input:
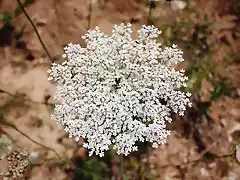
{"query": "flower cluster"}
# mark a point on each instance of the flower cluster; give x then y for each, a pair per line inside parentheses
(18, 164)
(117, 91)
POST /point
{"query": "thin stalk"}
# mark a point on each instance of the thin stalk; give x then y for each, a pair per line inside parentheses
(25, 98)
(150, 12)
(121, 167)
(58, 15)
(10, 124)
(89, 15)
(35, 29)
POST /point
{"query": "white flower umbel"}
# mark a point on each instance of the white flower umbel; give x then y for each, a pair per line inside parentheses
(118, 90)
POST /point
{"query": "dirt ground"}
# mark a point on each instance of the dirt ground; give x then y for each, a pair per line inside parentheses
(200, 147)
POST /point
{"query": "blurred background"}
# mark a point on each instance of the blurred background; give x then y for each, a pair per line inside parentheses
(203, 142)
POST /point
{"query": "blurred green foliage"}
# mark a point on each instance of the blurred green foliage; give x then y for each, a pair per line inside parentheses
(199, 49)
(220, 89)
(6, 17)
(91, 169)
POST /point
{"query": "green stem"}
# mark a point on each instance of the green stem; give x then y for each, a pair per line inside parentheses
(150, 12)
(35, 29)
(121, 167)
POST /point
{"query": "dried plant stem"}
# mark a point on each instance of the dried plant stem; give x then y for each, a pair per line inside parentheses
(35, 29)
(13, 126)
(25, 98)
